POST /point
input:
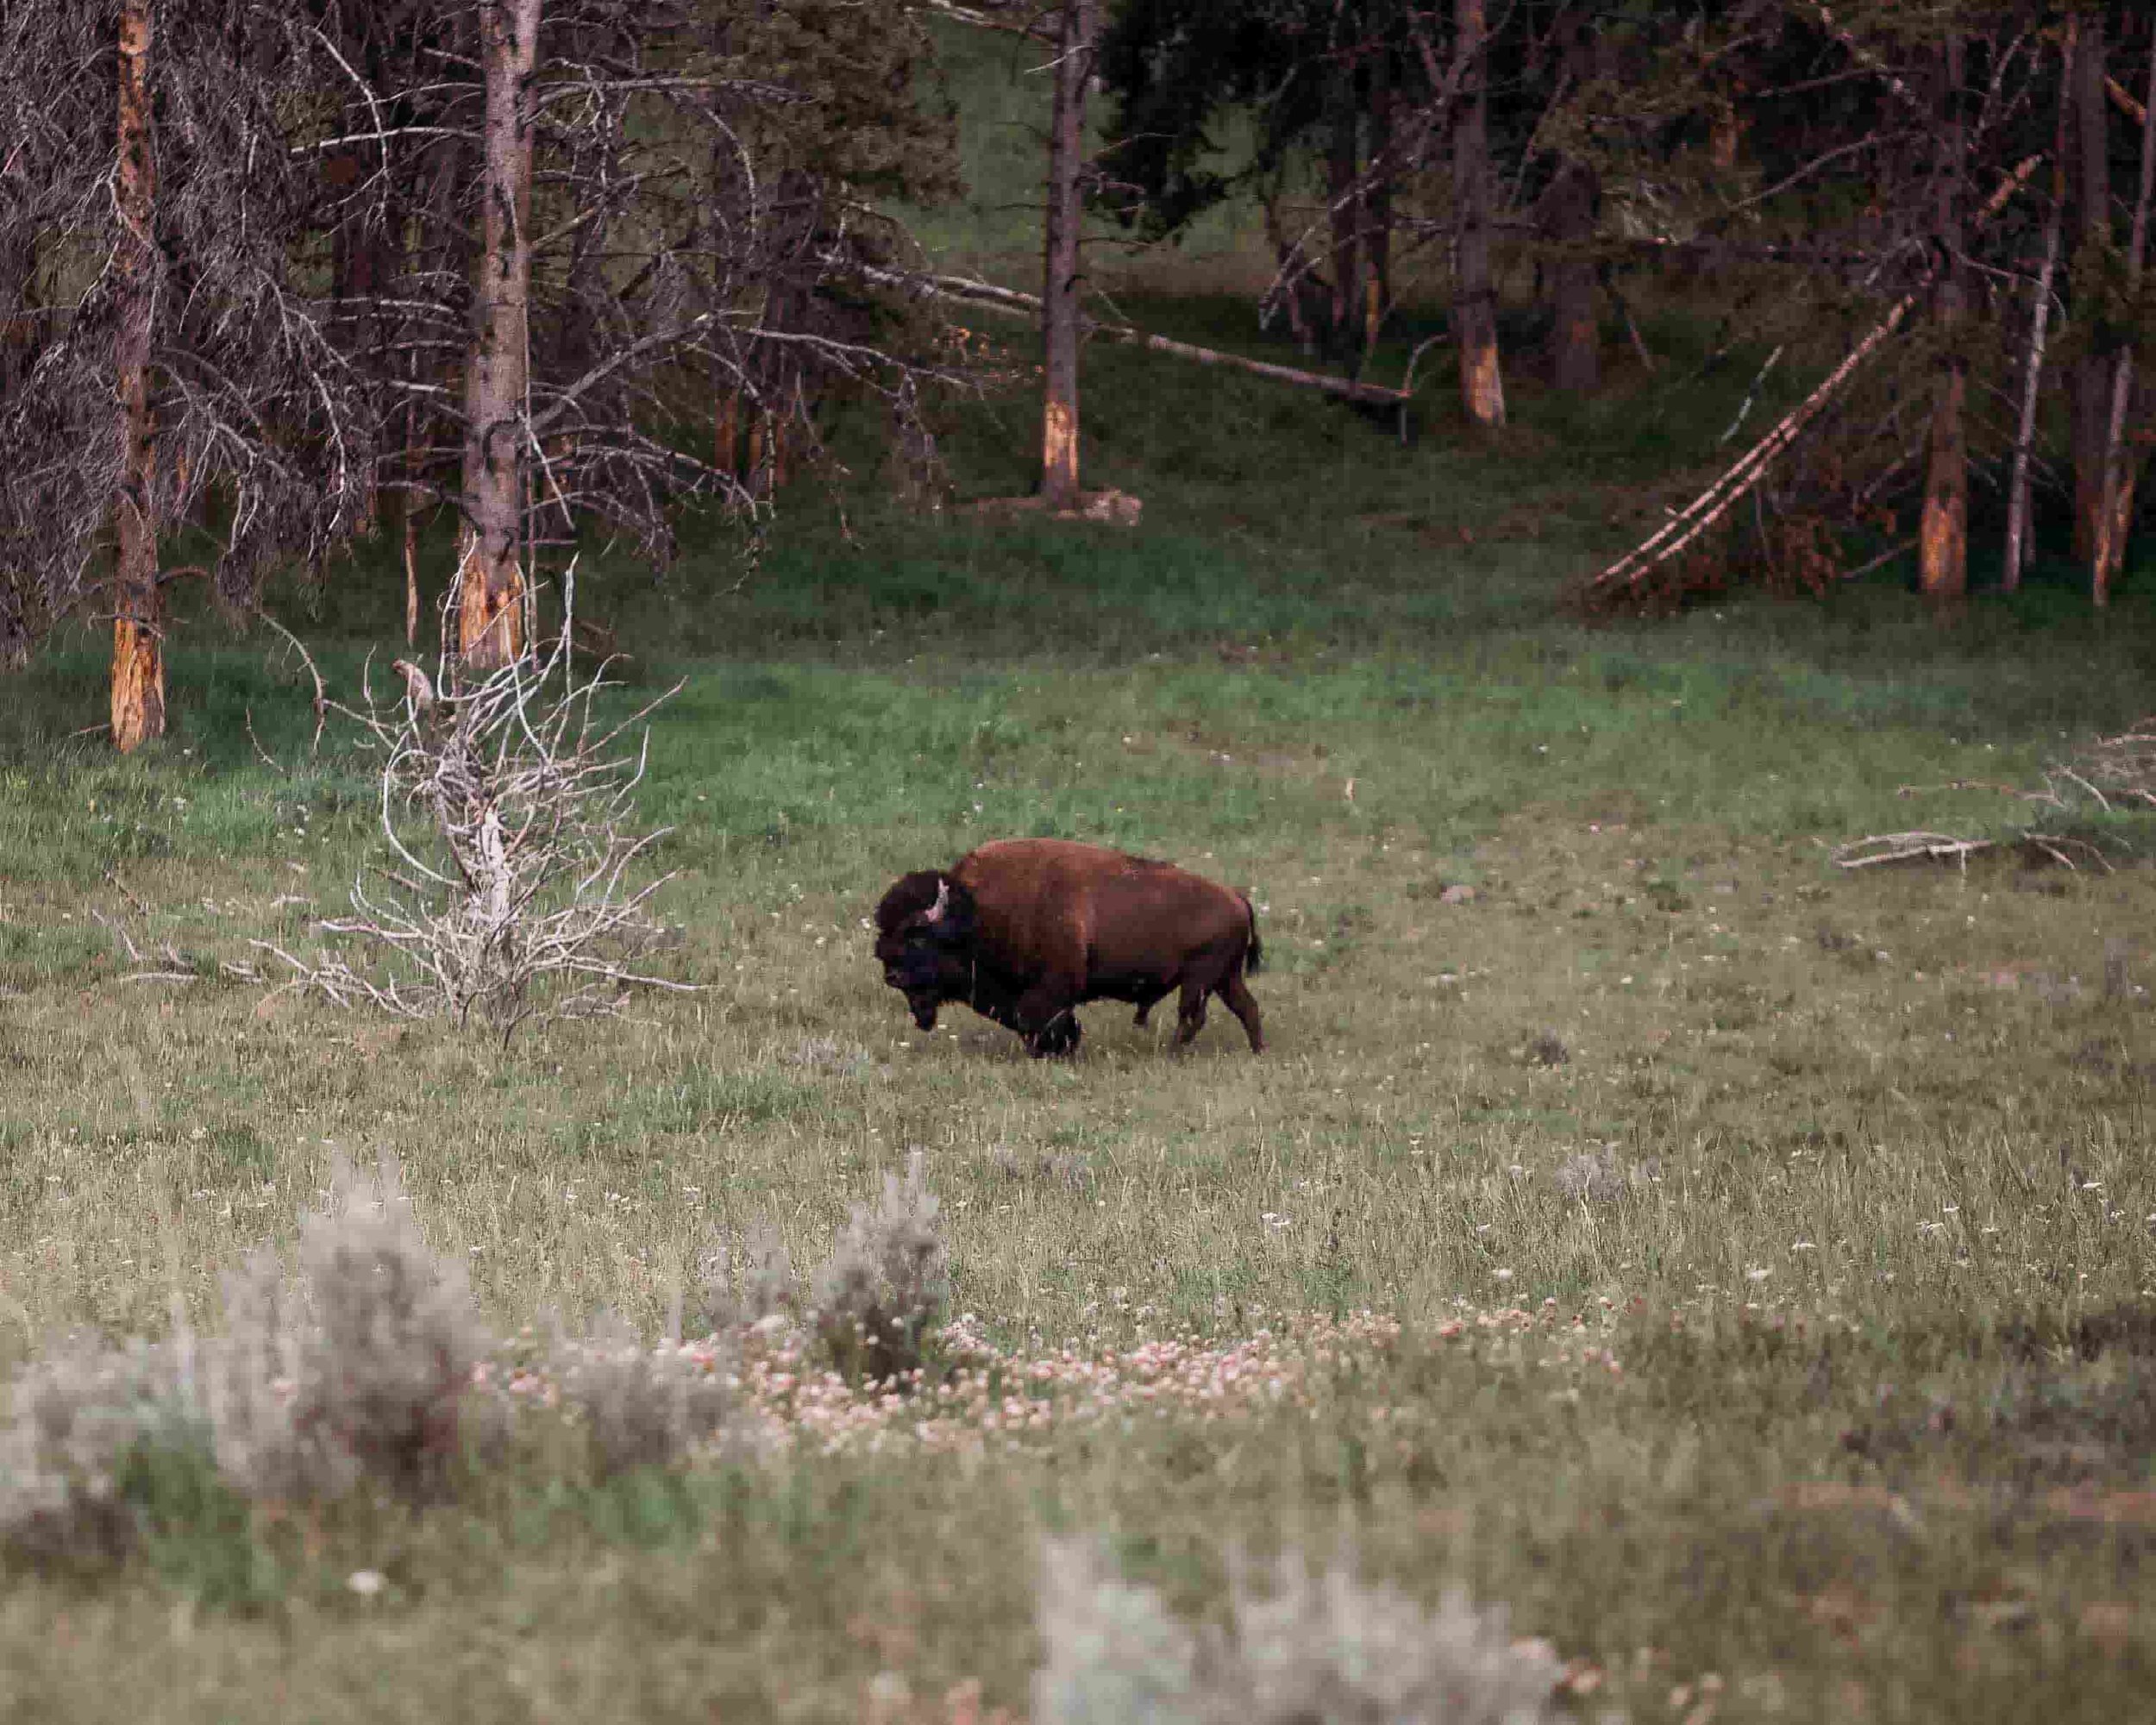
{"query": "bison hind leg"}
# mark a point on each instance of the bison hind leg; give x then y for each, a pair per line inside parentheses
(1239, 1000)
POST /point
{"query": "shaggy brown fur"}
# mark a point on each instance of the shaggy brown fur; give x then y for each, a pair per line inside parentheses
(1025, 930)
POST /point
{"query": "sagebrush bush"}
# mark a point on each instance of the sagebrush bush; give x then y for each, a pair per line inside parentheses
(387, 1366)
(763, 1290)
(1111, 1650)
(266, 1443)
(362, 1370)
(84, 1412)
(1307, 1650)
(641, 1407)
(887, 1280)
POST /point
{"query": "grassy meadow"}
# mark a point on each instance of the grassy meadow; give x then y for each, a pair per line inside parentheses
(1762, 1256)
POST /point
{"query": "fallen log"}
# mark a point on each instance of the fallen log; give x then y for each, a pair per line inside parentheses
(1009, 301)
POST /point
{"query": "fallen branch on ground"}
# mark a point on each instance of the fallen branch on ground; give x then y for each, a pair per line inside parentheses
(1908, 847)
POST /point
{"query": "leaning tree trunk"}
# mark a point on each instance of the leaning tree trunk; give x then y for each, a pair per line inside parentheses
(1059, 290)
(1943, 539)
(1474, 300)
(491, 576)
(2092, 376)
(138, 657)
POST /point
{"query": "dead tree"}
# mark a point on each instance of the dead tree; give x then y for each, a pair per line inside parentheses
(1943, 539)
(506, 819)
(496, 416)
(2115, 510)
(1060, 331)
(1474, 292)
(2020, 543)
(1568, 212)
(175, 349)
(138, 654)
(2092, 375)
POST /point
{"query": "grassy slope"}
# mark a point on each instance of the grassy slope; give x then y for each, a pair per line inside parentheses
(1880, 1440)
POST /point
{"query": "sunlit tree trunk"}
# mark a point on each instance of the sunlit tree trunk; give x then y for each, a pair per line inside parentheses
(138, 657)
(1059, 292)
(2092, 376)
(491, 575)
(1943, 539)
(1474, 300)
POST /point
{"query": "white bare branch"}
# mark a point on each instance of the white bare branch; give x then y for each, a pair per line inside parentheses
(506, 807)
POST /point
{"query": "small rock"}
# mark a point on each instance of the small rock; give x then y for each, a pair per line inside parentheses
(1457, 895)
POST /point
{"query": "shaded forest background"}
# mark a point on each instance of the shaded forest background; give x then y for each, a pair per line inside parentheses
(280, 281)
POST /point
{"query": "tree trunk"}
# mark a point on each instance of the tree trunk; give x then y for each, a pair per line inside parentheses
(2092, 376)
(726, 422)
(1343, 162)
(1473, 301)
(1943, 540)
(138, 657)
(1575, 351)
(1059, 291)
(2019, 544)
(408, 512)
(2116, 518)
(1377, 206)
(357, 272)
(18, 303)
(491, 576)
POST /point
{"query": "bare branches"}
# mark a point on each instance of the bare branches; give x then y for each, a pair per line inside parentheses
(506, 809)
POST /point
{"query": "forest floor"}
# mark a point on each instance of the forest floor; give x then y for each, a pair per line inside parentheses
(1743, 1270)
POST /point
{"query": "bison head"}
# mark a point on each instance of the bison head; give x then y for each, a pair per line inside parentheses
(924, 930)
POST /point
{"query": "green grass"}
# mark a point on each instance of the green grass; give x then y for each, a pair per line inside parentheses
(1880, 1441)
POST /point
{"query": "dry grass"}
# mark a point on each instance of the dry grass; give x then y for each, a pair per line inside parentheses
(1844, 1183)
(1738, 1271)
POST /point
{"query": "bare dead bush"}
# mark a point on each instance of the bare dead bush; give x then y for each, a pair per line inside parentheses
(507, 810)
(1303, 1647)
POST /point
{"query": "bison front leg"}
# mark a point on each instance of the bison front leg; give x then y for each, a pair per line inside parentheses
(1045, 1020)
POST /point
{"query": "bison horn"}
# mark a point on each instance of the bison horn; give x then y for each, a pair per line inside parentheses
(943, 898)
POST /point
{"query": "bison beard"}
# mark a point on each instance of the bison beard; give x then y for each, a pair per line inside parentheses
(1025, 930)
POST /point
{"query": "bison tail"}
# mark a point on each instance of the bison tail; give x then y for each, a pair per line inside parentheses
(1254, 954)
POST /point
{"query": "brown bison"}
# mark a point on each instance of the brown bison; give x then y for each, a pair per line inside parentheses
(1024, 930)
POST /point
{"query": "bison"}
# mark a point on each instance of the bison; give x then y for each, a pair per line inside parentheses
(1024, 930)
